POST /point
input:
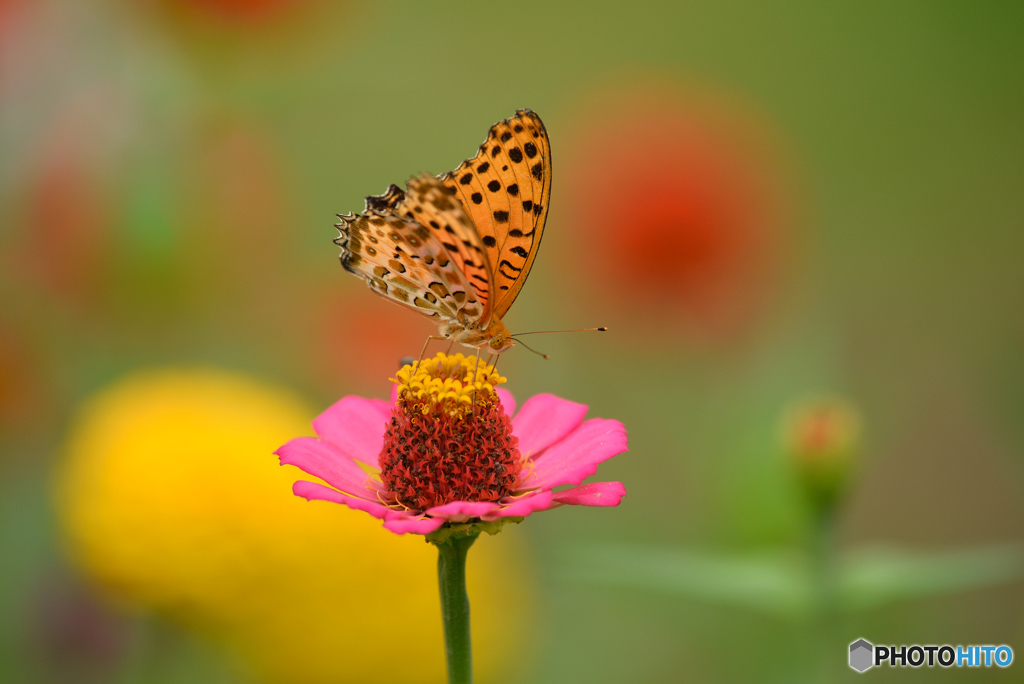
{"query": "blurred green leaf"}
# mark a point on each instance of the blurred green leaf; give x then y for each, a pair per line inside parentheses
(877, 576)
(775, 583)
(783, 584)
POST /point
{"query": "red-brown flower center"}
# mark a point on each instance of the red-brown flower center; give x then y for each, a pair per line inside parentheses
(437, 448)
(432, 459)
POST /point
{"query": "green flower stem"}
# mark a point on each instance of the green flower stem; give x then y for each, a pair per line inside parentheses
(823, 555)
(451, 577)
(824, 559)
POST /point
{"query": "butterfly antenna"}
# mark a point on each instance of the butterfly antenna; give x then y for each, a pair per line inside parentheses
(544, 332)
(546, 357)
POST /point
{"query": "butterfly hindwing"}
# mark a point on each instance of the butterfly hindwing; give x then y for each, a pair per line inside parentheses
(505, 189)
(429, 202)
(403, 260)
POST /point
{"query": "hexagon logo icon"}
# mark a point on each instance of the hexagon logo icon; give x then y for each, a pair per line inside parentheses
(861, 652)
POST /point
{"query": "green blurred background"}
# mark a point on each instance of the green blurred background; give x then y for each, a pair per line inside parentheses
(764, 201)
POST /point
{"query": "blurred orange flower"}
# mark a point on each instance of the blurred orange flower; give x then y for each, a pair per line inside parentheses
(677, 207)
(822, 439)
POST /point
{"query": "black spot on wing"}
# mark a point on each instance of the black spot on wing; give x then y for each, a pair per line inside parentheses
(515, 154)
(513, 271)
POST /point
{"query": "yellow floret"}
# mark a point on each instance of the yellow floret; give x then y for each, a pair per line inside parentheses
(452, 383)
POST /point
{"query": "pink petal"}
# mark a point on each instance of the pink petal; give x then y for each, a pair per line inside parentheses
(543, 420)
(405, 525)
(523, 506)
(461, 511)
(594, 494)
(508, 402)
(394, 393)
(324, 460)
(356, 426)
(576, 457)
(312, 491)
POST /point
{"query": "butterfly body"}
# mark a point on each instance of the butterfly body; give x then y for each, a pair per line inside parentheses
(495, 336)
(459, 247)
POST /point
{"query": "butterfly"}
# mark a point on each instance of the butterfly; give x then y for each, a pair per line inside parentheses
(459, 247)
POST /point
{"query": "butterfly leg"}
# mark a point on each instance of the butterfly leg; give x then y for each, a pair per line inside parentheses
(424, 350)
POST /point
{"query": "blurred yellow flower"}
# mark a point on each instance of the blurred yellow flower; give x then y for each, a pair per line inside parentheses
(171, 499)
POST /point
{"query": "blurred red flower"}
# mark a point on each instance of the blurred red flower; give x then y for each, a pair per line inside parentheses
(22, 390)
(677, 211)
(64, 247)
(7, 8)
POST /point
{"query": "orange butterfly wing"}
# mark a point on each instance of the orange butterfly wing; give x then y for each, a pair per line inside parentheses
(505, 190)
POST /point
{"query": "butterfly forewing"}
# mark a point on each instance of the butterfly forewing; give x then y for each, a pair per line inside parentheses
(504, 190)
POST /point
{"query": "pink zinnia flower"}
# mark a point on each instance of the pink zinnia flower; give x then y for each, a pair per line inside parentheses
(449, 451)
